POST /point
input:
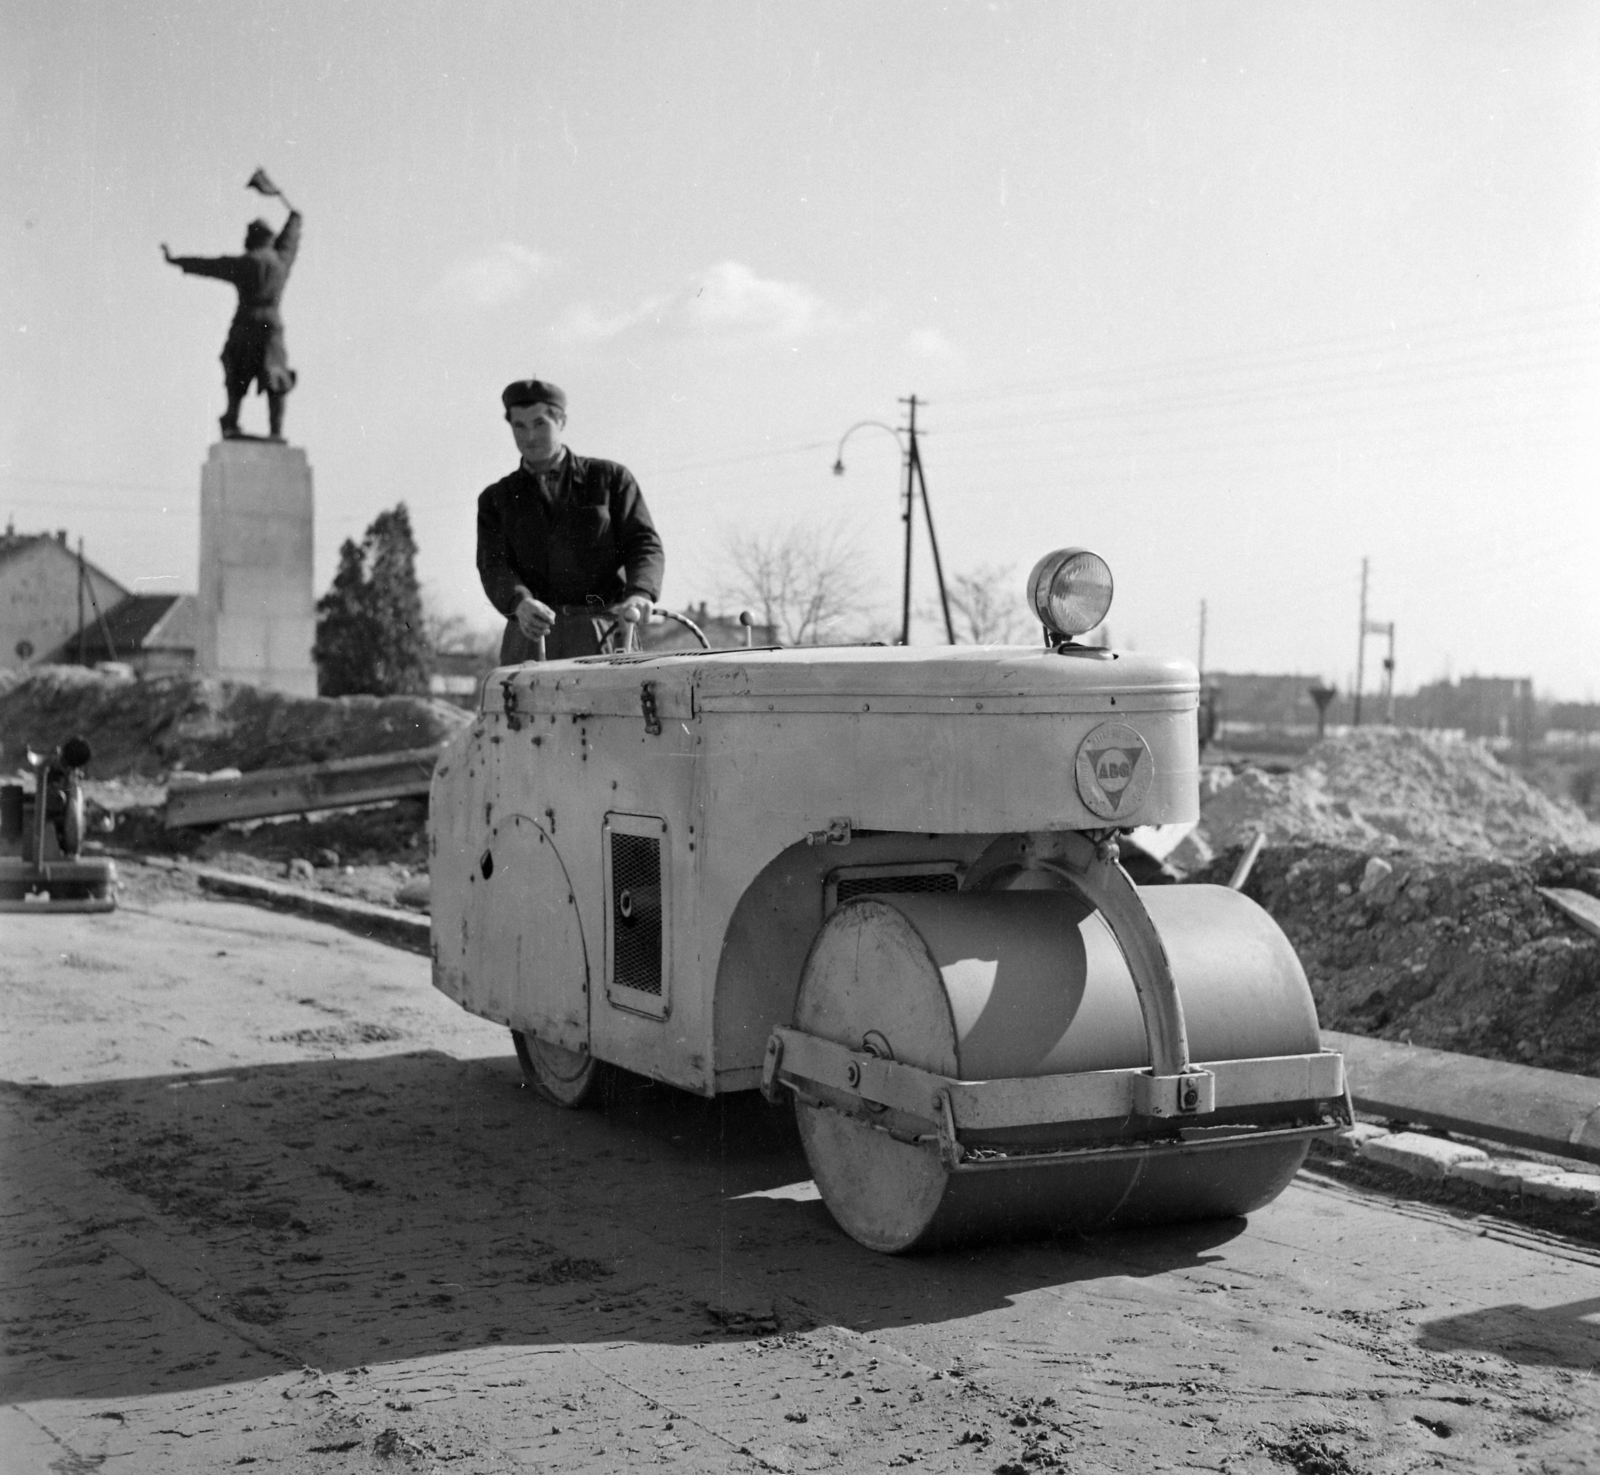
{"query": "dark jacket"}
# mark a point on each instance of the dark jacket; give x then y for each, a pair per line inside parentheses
(591, 543)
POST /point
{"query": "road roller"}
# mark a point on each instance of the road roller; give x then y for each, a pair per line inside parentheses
(887, 884)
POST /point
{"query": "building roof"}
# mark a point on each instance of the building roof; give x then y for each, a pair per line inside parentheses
(13, 545)
(141, 622)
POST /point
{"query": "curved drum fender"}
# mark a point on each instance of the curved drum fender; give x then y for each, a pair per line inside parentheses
(513, 924)
(988, 1063)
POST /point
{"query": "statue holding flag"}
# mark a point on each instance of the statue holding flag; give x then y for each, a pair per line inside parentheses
(255, 352)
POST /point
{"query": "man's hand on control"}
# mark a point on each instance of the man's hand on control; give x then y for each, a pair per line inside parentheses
(535, 618)
(635, 609)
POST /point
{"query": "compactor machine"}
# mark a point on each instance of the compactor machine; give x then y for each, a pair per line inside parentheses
(885, 882)
(42, 826)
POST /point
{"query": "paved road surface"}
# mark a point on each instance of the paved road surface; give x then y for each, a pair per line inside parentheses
(270, 1201)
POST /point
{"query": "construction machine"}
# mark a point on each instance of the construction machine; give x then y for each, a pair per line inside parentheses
(42, 826)
(885, 883)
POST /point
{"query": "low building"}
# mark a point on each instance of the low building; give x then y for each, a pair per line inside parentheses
(44, 591)
(1493, 707)
(152, 633)
(1275, 701)
(456, 675)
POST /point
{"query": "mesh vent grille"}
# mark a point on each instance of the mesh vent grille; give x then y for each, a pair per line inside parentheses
(854, 886)
(636, 912)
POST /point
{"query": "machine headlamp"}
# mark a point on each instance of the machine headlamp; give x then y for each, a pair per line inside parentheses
(1070, 591)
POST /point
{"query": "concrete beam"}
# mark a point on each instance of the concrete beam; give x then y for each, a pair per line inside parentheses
(1547, 1110)
(333, 785)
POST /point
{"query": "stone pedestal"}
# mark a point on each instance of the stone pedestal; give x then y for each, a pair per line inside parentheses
(257, 612)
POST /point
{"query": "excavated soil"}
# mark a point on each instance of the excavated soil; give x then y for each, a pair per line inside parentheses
(1404, 867)
(145, 729)
(1451, 954)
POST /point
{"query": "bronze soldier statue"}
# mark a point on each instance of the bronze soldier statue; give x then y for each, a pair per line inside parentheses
(255, 352)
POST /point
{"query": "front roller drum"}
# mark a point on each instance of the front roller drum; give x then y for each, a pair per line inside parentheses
(1005, 985)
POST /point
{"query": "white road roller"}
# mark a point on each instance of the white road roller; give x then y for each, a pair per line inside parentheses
(885, 882)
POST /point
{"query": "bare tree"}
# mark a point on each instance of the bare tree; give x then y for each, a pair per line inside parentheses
(806, 584)
(988, 606)
(454, 632)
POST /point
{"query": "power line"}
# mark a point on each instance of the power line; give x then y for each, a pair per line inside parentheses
(796, 450)
(89, 481)
(1303, 350)
(1421, 377)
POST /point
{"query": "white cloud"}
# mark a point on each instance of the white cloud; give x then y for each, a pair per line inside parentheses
(931, 344)
(490, 278)
(726, 300)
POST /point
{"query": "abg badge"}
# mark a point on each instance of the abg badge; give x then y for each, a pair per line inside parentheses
(1114, 770)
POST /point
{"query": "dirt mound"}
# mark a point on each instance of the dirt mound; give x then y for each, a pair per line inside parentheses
(146, 728)
(1389, 791)
(1456, 954)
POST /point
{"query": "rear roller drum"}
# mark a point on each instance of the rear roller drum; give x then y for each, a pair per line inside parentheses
(986, 986)
(568, 1078)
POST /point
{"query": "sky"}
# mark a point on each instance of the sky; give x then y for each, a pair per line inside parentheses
(1237, 294)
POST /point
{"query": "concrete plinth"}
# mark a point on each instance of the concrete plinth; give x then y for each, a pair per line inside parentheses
(257, 612)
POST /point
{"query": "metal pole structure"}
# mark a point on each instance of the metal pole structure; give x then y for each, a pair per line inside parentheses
(1388, 679)
(915, 477)
(911, 492)
(94, 604)
(933, 540)
(838, 470)
(1201, 663)
(81, 660)
(1361, 645)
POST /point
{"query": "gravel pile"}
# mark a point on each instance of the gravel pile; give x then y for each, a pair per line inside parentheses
(1387, 791)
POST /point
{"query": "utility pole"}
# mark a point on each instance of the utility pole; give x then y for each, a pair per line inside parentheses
(1361, 645)
(1201, 663)
(80, 602)
(100, 619)
(1388, 678)
(915, 479)
(1374, 627)
(914, 467)
(911, 507)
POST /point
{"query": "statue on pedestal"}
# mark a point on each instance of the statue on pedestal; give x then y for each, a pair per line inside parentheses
(255, 352)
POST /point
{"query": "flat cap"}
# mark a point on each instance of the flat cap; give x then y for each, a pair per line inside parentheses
(533, 392)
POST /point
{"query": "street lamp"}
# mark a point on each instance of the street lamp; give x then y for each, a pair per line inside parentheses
(914, 480)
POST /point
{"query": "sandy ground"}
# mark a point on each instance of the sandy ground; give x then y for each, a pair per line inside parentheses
(269, 1200)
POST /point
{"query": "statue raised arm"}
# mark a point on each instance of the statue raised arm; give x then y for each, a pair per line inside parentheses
(255, 352)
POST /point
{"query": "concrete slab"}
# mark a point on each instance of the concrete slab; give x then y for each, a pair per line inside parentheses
(1427, 1157)
(1543, 1109)
(1563, 1186)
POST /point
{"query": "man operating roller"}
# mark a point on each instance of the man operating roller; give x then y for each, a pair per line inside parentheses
(565, 543)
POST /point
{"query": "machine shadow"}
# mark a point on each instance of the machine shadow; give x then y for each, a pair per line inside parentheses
(1537, 1336)
(353, 1212)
